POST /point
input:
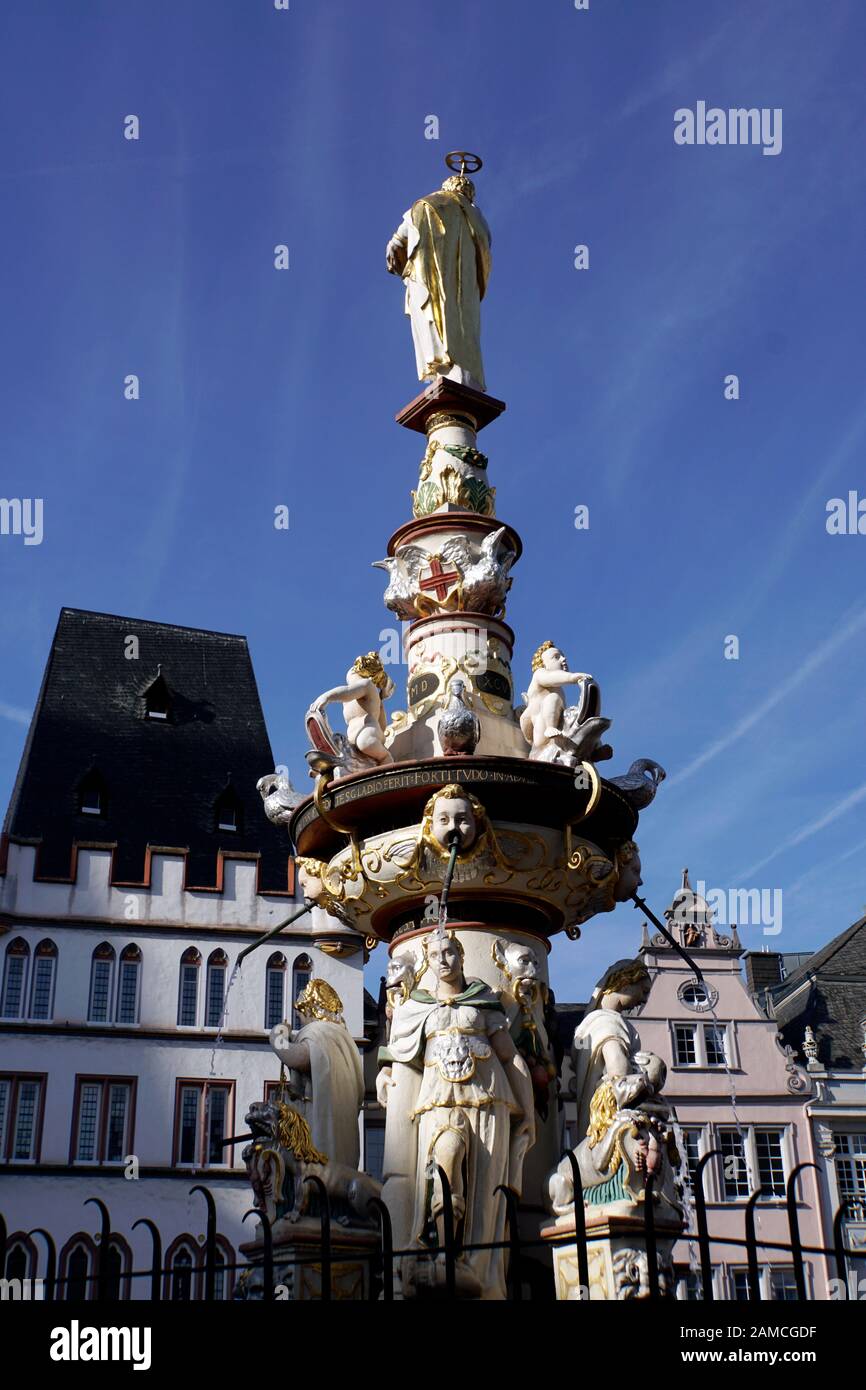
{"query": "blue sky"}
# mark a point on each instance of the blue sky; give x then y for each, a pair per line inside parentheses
(261, 388)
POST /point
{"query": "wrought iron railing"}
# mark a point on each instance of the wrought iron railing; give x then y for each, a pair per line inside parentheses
(104, 1285)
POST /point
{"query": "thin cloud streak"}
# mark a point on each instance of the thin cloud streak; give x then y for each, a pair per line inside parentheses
(826, 864)
(852, 799)
(14, 714)
(818, 659)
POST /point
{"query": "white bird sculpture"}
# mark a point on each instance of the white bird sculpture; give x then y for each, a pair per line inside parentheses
(279, 797)
(485, 580)
(404, 570)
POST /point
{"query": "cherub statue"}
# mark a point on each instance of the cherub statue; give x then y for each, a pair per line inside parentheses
(625, 1128)
(367, 686)
(325, 1076)
(452, 811)
(321, 891)
(558, 733)
(628, 865)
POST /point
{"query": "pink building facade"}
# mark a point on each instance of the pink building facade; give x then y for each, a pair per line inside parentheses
(734, 1087)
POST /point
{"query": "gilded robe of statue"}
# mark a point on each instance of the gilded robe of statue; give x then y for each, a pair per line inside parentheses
(443, 246)
(466, 1119)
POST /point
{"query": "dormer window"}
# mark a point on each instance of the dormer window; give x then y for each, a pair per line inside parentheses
(157, 699)
(229, 811)
(92, 799)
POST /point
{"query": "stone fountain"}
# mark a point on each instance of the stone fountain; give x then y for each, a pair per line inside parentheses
(473, 791)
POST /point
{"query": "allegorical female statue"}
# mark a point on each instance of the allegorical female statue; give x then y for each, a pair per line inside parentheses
(463, 1101)
(623, 1123)
(442, 251)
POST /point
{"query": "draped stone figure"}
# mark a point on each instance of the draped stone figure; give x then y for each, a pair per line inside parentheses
(325, 1076)
(460, 1095)
(623, 1122)
(442, 251)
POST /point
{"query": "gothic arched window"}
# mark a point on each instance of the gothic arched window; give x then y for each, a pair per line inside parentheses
(15, 978)
(128, 982)
(181, 1278)
(302, 973)
(101, 977)
(42, 981)
(217, 966)
(275, 990)
(187, 1007)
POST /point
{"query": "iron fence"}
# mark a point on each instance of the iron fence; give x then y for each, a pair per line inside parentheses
(106, 1285)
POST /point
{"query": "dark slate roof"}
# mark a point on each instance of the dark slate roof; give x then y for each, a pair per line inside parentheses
(828, 993)
(162, 777)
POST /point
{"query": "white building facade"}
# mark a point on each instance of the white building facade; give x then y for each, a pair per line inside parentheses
(120, 1078)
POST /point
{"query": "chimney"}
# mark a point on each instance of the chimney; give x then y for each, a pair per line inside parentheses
(763, 970)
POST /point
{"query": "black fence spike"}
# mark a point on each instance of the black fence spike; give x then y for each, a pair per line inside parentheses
(448, 1233)
(701, 1218)
(839, 1244)
(652, 1254)
(794, 1224)
(102, 1248)
(579, 1225)
(325, 1228)
(156, 1255)
(210, 1241)
(267, 1253)
(754, 1274)
(50, 1264)
(386, 1242)
(515, 1283)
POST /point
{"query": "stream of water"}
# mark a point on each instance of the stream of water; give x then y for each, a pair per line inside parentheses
(218, 1040)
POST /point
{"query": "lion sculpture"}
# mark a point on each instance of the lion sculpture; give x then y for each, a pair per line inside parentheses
(282, 1156)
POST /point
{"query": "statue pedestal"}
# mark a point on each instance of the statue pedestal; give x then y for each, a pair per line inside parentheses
(450, 397)
(352, 1263)
(616, 1257)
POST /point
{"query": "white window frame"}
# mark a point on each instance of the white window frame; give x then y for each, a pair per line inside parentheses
(680, 1286)
(703, 1147)
(697, 1027)
(750, 1153)
(765, 1280)
(857, 1161)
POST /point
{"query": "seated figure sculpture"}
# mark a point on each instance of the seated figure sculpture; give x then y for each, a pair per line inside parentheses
(362, 746)
(624, 1126)
(556, 732)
